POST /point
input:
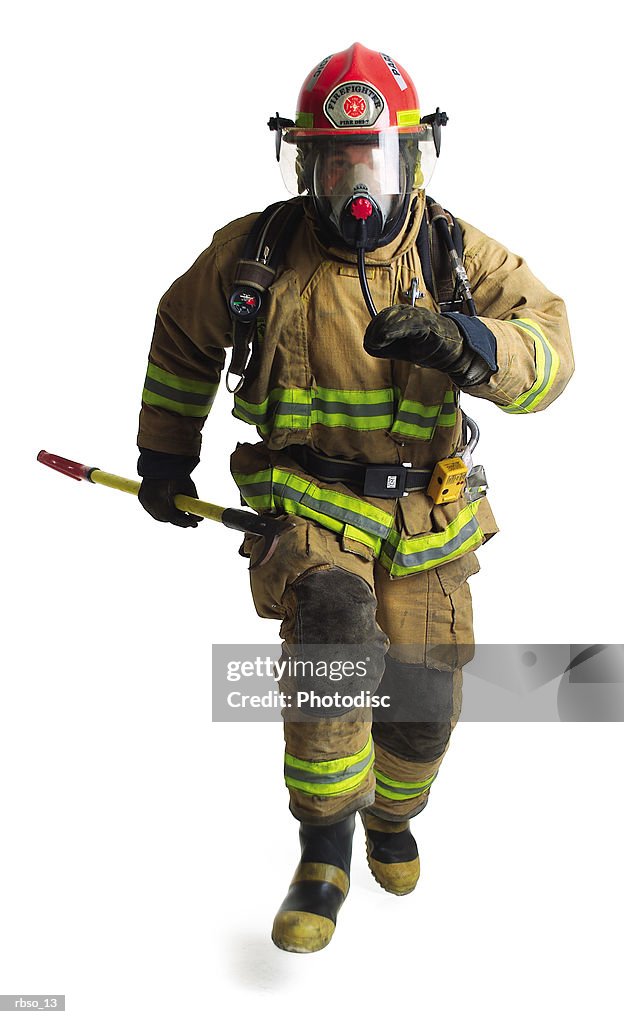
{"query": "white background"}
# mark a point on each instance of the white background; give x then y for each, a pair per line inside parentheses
(143, 850)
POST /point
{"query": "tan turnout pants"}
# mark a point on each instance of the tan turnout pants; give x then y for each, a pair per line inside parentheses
(327, 589)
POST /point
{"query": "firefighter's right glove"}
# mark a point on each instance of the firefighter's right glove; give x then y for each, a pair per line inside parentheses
(419, 336)
(156, 497)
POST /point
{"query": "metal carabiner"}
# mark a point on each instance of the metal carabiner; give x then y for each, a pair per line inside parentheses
(413, 292)
(473, 440)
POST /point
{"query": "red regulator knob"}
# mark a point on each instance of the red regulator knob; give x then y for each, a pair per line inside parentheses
(361, 208)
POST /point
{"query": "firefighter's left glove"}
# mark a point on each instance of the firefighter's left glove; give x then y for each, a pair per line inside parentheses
(418, 335)
(156, 497)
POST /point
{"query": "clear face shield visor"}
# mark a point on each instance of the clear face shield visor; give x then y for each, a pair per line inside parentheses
(388, 164)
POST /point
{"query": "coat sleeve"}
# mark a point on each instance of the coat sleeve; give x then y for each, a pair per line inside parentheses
(529, 323)
(193, 330)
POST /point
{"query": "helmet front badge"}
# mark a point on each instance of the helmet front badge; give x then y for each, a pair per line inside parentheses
(354, 105)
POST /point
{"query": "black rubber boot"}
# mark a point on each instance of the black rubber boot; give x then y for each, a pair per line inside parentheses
(392, 854)
(306, 920)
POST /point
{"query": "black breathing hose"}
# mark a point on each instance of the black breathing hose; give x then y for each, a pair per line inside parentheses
(461, 277)
(368, 299)
(361, 265)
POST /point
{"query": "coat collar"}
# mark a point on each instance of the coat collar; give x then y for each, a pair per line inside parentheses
(389, 253)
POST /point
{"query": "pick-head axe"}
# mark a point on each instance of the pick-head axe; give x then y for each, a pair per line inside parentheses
(265, 526)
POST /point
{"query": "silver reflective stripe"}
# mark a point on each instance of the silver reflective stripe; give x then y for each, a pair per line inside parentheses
(419, 420)
(545, 373)
(427, 422)
(407, 791)
(444, 551)
(275, 409)
(448, 412)
(330, 777)
(254, 490)
(353, 408)
(344, 515)
(548, 361)
(156, 387)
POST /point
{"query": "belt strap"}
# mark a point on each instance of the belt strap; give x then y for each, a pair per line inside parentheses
(373, 479)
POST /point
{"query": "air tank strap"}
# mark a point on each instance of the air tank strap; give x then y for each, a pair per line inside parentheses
(255, 272)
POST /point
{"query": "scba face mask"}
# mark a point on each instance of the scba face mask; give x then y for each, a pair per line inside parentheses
(362, 188)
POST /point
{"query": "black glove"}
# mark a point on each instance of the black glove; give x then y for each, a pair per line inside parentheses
(156, 497)
(428, 339)
(164, 476)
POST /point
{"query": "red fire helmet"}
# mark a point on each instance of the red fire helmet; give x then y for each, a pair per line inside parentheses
(360, 91)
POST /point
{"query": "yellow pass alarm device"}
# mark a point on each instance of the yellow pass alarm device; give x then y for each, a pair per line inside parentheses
(447, 480)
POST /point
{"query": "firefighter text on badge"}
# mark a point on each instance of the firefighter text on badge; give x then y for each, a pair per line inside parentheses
(354, 104)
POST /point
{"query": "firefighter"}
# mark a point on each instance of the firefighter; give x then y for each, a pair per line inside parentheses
(357, 315)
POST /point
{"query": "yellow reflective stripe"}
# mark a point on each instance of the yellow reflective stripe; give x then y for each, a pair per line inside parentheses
(293, 489)
(546, 365)
(151, 398)
(329, 788)
(414, 554)
(283, 407)
(352, 533)
(290, 396)
(419, 784)
(347, 419)
(300, 408)
(256, 489)
(382, 791)
(262, 476)
(448, 412)
(182, 395)
(353, 396)
(273, 488)
(335, 525)
(339, 764)
(396, 792)
(408, 118)
(332, 407)
(340, 500)
(202, 387)
(260, 502)
(417, 420)
(340, 775)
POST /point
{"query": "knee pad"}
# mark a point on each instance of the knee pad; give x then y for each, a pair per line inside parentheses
(415, 724)
(413, 741)
(335, 626)
(335, 606)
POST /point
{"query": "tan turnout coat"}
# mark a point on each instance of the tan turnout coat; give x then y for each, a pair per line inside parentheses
(311, 382)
